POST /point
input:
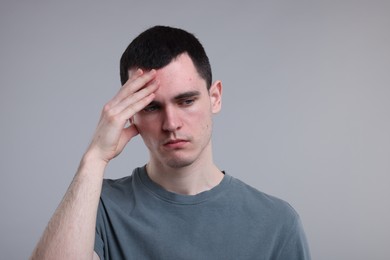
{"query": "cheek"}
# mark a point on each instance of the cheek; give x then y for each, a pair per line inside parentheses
(200, 120)
(144, 125)
(143, 121)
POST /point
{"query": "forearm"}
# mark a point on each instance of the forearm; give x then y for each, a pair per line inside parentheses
(70, 233)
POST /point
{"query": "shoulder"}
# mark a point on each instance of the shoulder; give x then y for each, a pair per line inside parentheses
(118, 191)
(117, 183)
(268, 206)
(274, 217)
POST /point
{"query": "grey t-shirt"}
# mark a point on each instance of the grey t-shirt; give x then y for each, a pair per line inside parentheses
(138, 219)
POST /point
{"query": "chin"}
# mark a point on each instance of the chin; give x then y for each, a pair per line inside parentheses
(179, 162)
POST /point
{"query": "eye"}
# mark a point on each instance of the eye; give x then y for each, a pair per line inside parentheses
(150, 108)
(187, 102)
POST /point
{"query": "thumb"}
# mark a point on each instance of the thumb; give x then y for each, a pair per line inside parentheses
(130, 132)
(127, 134)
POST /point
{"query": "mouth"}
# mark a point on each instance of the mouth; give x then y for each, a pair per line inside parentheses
(175, 143)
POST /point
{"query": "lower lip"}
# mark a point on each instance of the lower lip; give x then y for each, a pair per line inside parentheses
(176, 145)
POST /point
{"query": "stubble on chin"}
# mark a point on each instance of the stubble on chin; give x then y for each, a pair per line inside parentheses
(177, 164)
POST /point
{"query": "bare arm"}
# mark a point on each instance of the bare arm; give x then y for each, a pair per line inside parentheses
(70, 233)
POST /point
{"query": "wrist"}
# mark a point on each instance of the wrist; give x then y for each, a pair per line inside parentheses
(90, 162)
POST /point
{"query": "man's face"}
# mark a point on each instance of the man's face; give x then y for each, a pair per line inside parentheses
(176, 127)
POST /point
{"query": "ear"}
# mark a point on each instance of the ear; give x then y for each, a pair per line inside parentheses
(215, 93)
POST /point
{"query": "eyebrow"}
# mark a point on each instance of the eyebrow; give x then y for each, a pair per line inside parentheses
(181, 96)
(187, 95)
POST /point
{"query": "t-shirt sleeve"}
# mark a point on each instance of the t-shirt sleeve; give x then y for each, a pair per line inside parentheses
(295, 246)
(99, 244)
(99, 247)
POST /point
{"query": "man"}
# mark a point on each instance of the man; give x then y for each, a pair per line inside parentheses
(179, 205)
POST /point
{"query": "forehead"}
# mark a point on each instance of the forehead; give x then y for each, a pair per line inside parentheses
(178, 77)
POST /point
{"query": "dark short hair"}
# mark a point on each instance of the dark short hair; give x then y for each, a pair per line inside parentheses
(158, 46)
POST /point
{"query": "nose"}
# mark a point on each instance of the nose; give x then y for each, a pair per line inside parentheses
(172, 121)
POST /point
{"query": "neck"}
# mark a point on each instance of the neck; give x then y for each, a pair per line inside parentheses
(201, 175)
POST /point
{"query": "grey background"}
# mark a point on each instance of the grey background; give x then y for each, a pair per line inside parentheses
(305, 107)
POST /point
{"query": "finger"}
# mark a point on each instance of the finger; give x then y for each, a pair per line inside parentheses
(133, 74)
(127, 134)
(116, 116)
(135, 107)
(133, 85)
(139, 80)
(134, 98)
